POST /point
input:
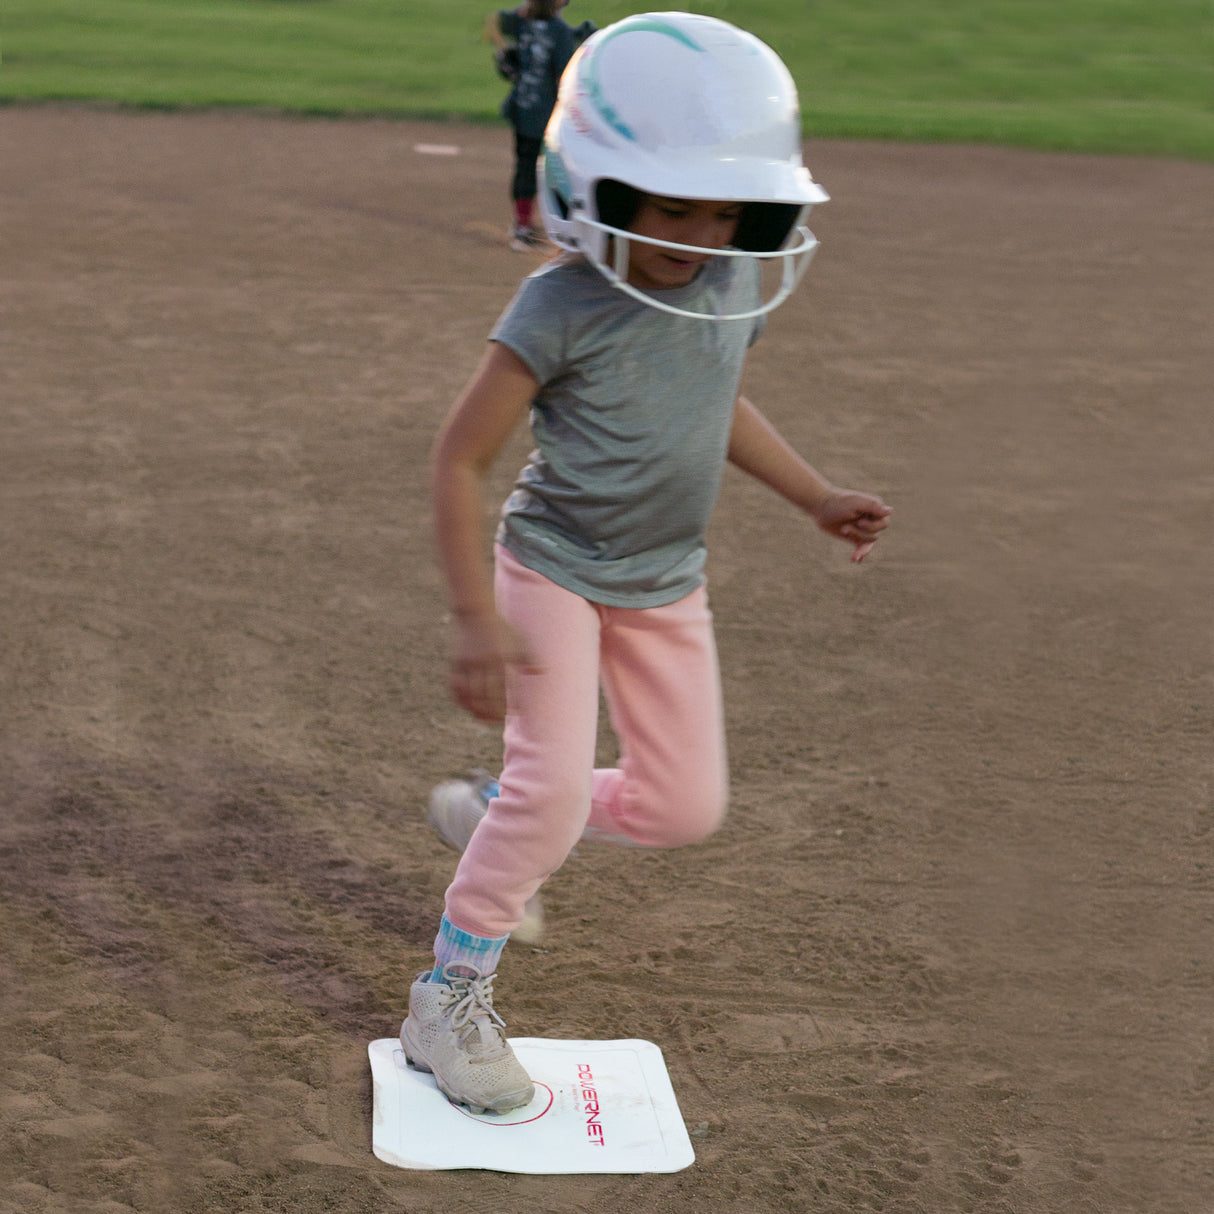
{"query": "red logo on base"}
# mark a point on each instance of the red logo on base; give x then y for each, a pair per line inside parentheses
(590, 1104)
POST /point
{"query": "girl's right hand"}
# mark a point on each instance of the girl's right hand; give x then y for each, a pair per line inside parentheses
(484, 647)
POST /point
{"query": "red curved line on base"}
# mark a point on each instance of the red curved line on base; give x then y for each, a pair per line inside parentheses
(477, 1117)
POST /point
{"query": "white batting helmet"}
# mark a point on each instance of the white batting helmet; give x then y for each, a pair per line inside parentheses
(681, 106)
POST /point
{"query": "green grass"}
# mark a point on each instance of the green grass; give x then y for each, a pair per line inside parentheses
(1092, 75)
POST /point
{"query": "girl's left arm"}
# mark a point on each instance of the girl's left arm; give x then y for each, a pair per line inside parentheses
(757, 448)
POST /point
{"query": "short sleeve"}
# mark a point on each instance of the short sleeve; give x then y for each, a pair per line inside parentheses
(533, 327)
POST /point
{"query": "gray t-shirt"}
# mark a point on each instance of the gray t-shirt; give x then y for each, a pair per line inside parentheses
(631, 425)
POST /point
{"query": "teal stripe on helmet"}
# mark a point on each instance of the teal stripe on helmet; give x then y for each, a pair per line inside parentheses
(557, 175)
(653, 25)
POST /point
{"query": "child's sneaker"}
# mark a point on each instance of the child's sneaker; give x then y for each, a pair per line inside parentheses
(455, 810)
(523, 239)
(453, 1033)
(457, 807)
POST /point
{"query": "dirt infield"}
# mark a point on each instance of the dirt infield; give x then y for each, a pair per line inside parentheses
(952, 950)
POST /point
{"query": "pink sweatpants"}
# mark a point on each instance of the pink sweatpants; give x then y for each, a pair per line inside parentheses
(658, 670)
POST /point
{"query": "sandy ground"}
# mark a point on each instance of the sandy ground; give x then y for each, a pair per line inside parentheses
(952, 950)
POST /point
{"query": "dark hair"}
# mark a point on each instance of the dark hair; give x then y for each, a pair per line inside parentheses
(617, 203)
(763, 228)
(543, 10)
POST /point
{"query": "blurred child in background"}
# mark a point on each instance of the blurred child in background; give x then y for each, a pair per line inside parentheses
(532, 46)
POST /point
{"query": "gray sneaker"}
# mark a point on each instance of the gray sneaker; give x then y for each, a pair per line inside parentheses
(455, 811)
(523, 239)
(453, 1033)
(456, 807)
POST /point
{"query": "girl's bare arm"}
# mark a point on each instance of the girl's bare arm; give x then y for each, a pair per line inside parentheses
(481, 420)
(757, 448)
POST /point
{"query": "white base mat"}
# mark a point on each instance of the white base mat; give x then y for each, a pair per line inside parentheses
(600, 1106)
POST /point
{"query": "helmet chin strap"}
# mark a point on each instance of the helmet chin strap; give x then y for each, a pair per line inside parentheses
(795, 262)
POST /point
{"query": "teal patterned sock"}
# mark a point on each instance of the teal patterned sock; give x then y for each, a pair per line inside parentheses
(457, 948)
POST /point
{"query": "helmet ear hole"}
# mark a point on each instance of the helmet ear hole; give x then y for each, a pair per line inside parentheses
(559, 203)
(617, 204)
(764, 226)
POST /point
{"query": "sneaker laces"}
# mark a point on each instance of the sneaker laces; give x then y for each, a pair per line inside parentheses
(474, 1007)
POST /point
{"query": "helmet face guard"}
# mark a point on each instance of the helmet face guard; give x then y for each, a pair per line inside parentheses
(794, 259)
(678, 106)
